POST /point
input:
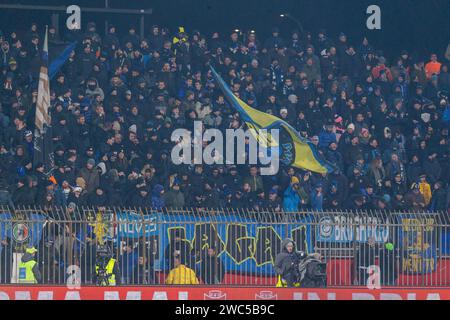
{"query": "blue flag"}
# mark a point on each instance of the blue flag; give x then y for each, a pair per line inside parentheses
(60, 60)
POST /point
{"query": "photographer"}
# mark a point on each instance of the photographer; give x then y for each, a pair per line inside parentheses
(106, 269)
(286, 264)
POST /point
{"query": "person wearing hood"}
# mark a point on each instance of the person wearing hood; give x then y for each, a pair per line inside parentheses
(22, 195)
(93, 89)
(29, 272)
(291, 199)
(439, 201)
(99, 198)
(5, 195)
(175, 197)
(158, 201)
(141, 198)
(90, 175)
(286, 263)
(317, 198)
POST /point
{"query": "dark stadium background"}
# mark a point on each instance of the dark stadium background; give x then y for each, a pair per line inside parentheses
(406, 24)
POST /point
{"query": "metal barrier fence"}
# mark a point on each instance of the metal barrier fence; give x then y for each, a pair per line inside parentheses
(225, 247)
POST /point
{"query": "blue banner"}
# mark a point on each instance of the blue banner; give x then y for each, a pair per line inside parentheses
(20, 233)
(133, 225)
(344, 229)
(243, 245)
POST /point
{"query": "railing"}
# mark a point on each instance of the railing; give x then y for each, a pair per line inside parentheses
(225, 247)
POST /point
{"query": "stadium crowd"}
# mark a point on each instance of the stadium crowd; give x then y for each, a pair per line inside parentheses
(115, 102)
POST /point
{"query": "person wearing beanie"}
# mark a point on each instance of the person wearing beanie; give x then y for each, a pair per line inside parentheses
(293, 196)
(90, 175)
(174, 198)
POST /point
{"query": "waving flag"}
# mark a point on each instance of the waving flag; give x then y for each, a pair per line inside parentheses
(43, 147)
(61, 59)
(294, 150)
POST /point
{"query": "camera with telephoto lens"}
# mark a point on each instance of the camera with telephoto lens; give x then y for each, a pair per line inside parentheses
(298, 256)
(313, 272)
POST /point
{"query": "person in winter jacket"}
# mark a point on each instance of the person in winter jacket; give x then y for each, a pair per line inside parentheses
(93, 89)
(439, 201)
(5, 195)
(425, 189)
(365, 257)
(317, 198)
(212, 268)
(175, 197)
(181, 274)
(388, 264)
(6, 260)
(286, 262)
(292, 200)
(22, 195)
(415, 199)
(90, 176)
(158, 201)
(29, 272)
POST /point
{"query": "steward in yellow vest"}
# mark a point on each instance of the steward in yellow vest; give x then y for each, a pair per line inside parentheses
(28, 268)
(106, 269)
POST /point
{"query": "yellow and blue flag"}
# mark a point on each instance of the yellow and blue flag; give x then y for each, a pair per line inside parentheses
(294, 150)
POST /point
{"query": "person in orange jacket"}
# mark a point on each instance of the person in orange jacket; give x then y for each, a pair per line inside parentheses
(433, 67)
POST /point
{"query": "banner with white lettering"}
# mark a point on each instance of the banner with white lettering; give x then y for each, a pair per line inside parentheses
(133, 225)
(341, 228)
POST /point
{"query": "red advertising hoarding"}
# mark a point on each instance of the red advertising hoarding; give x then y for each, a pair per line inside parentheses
(209, 293)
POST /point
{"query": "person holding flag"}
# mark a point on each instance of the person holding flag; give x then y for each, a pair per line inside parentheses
(43, 147)
(294, 150)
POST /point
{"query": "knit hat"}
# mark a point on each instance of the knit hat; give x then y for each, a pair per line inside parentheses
(72, 205)
(80, 182)
(91, 162)
(102, 167)
(133, 129)
(294, 180)
(425, 117)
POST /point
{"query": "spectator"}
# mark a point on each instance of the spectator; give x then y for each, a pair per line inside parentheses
(174, 198)
(117, 100)
(181, 274)
(365, 257)
(433, 67)
(6, 260)
(212, 269)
